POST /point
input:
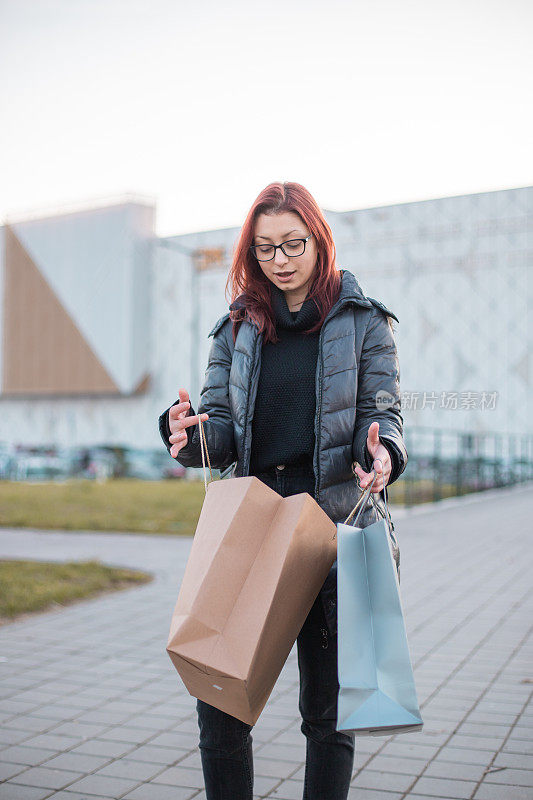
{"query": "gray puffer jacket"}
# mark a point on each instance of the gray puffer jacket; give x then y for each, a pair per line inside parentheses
(357, 363)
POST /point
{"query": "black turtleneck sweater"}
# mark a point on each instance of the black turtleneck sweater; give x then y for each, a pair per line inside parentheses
(283, 429)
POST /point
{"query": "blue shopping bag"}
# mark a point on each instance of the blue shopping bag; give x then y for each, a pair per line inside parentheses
(377, 694)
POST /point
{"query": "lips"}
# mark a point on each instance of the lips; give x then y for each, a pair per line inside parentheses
(284, 274)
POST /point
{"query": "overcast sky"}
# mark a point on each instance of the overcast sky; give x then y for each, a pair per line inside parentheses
(201, 104)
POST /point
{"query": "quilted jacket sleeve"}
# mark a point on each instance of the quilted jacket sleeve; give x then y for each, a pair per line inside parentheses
(379, 372)
(214, 400)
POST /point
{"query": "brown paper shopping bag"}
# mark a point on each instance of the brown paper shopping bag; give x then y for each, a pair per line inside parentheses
(256, 565)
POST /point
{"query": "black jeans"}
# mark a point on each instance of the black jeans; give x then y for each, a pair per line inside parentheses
(226, 742)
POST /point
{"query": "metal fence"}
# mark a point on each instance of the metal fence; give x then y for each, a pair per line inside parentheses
(445, 463)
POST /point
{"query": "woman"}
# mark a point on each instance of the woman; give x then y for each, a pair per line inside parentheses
(301, 390)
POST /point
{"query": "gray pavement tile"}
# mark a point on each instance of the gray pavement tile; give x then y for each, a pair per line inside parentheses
(192, 759)
(394, 764)
(291, 737)
(288, 790)
(180, 776)
(68, 795)
(273, 768)
(264, 784)
(523, 729)
(14, 791)
(504, 705)
(289, 752)
(518, 746)
(158, 755)
(49, 741)
(189, 724)
(103, 717)
(368, 745)
(151, 791)
(26, 755)
(78, 730)
(262, 737)
(30, 695)
(455, 771)
(16, 680)
(16, 706)
(175, 738)
(481, 729)
(511, 777)
(518, 760)
(120, 733)
(491, 791)
(398, 748)
(77, 762)
(371, 794)
(269, 723)
(46, 778)
(10, 736)
(384, 781)
(126, 768)
(8, 770)
(100, 785)
(152, 722)
(426, 737)
(98, 747)
(56, 712)
(441, 787)
(465, 756)
(412, 796)
(30, 724)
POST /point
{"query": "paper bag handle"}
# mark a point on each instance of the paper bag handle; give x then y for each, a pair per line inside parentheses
(364, 498)
(203, 443)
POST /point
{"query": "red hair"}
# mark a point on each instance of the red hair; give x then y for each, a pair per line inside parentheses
(248, 281)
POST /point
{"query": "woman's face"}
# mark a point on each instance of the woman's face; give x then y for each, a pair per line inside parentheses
(280, 228)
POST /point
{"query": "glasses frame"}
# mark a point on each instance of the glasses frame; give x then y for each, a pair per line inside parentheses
(275, 246)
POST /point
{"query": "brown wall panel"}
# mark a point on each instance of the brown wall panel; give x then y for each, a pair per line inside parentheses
(44, 352)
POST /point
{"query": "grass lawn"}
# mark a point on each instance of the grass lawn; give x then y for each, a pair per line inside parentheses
(164, 507)
(36, 585)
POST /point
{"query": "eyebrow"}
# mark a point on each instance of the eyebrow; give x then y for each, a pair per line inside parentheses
(295, 230)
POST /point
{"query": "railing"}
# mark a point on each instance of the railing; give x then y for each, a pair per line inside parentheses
(444, 463)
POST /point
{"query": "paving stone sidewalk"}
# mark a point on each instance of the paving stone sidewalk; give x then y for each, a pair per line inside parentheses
(91, 707)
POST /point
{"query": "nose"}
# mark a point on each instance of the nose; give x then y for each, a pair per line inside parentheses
(280, 259)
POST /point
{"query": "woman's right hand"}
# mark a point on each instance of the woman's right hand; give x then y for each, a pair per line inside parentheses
(178, 421)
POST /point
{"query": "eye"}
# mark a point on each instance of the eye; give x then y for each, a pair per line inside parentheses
(266, 248)
(294, 244)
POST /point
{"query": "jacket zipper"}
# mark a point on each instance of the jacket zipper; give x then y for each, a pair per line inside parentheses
(246, 465)
(317, 416)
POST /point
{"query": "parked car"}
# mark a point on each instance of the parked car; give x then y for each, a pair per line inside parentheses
(151, 465)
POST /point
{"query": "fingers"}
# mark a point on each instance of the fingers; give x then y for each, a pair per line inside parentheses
(179, 410)
(174, 450)
(178, 437)
(177, 417)
(176, 414)
(365, 478)
(373, 435)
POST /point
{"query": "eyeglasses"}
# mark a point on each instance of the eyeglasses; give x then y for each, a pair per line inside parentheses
(292, 248)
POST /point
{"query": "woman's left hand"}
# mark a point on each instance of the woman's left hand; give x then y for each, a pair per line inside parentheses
(382, 462)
